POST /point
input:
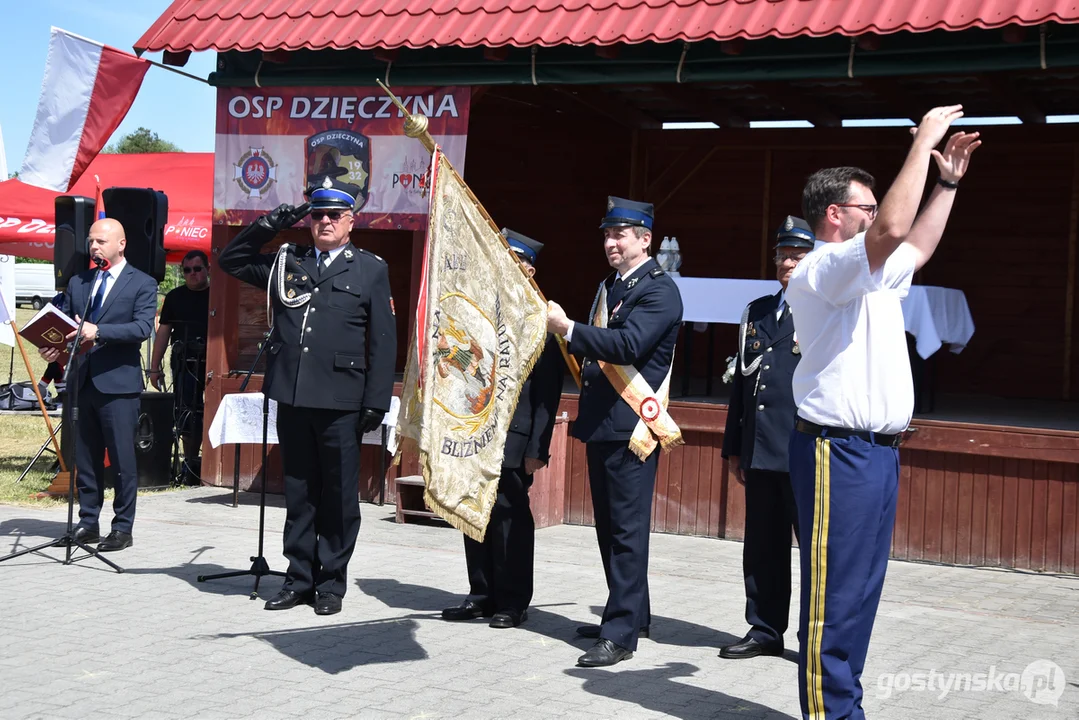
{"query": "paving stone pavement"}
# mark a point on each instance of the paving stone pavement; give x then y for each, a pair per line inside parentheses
(82, 642)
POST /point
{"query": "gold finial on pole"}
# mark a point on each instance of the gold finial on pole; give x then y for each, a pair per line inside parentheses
(415, 125)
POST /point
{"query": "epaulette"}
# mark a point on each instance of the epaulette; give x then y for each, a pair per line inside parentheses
(656, 272)
(376, 257)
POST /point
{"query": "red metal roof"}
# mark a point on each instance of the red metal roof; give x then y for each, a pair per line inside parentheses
(367, 24)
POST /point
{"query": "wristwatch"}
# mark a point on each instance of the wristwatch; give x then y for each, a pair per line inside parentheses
(947, 183)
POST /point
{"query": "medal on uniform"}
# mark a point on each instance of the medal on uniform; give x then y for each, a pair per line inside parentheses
(756, 344)
(750, 330)
(291, 293)
(796, 350)
(289, 276)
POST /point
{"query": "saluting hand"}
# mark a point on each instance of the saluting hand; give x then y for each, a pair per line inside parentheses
(955, 159)
(285, 216)
(557, 321)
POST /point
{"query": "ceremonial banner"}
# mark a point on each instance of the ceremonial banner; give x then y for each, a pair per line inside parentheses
(274, 142)
(480, 329)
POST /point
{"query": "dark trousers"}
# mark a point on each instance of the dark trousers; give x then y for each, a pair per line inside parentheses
(106, 422)
(622, 488)
(766, 554)
(846, 493)
(320, 452)
(500, 568)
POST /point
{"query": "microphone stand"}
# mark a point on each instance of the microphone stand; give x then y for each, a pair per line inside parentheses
(259, 566)
(68, 540)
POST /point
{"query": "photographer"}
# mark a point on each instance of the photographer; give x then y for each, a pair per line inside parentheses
(183, 326)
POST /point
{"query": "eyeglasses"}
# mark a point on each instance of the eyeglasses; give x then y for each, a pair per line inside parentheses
(870, 210)
(780, 259)
(193, 269)
(331, 215)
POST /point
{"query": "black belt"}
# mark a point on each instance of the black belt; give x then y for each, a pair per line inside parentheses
(804, 426)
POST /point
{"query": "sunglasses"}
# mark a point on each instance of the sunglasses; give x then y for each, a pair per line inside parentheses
(193, 269)
(331, 215)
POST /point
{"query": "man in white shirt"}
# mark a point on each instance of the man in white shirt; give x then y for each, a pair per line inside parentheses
(854, 393)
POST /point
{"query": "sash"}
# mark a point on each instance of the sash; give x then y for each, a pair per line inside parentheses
(655, 426)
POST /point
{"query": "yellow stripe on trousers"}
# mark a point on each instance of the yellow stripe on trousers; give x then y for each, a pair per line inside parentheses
(818, 576)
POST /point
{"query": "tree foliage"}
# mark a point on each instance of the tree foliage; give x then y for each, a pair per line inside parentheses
(142, 140)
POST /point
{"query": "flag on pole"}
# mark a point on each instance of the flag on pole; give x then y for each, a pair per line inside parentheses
(480, 327)
(87, 91)
(99, 201)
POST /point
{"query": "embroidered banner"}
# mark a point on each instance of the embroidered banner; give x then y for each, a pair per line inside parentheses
(482, 329)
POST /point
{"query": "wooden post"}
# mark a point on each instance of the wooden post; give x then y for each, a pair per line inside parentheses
(1069, 296)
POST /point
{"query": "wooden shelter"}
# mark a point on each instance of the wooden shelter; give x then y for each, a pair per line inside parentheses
(568, 106)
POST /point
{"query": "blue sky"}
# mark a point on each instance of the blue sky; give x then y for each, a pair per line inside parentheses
(178, 109)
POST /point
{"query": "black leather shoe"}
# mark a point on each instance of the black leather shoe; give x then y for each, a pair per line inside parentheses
(592, 631)
(86, 535)
(749, 647)
(327, 604)
(115, 541)
(468, 610)
(603, 654)
(508, 618)
(286, 599)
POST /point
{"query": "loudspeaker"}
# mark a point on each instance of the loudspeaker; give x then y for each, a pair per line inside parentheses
(153, 442)
(70, 254)
(144, 213)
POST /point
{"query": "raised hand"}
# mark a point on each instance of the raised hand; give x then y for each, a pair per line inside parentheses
(935, 124)
(955, 159)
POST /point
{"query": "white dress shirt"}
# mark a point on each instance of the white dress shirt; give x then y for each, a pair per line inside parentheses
(635, 268)
(854, 372)
(114, 274)
(333, 254)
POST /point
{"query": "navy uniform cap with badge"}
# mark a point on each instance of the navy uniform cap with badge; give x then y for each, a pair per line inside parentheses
(634, 321)
(330, 367)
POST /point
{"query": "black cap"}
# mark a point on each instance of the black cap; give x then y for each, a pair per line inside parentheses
(795, 233)
(523, 245)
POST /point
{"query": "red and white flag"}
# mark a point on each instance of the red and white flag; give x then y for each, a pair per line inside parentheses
(87, 91)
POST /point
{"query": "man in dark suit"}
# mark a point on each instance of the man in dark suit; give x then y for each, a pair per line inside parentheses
(760, 419)
(331, 371)
(628, 347)
(500, 569)
(123, 303)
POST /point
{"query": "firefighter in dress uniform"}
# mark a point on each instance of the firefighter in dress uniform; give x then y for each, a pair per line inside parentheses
(330, 368)
(637, 314)
(760, 419)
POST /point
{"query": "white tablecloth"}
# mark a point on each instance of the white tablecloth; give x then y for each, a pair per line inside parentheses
(937, 315)
(239, 420)
(933, 315)
(720, 300)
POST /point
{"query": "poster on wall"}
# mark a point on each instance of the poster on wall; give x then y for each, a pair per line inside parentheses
(272, 143)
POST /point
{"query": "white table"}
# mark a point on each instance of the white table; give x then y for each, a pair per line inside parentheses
(238, 420)
(937, 315)
(720, 300)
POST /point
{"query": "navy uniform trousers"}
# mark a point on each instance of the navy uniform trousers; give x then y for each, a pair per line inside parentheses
(320, 454)
(845, 490)
(622, 488)
(500, 567)
(766, 553)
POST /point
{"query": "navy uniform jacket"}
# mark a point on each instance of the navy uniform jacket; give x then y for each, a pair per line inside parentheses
(125, 322)
(762, 412)
(537, 408)
(345, 359)
(641, 333)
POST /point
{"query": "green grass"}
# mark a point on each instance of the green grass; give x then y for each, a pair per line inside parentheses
(22, 435)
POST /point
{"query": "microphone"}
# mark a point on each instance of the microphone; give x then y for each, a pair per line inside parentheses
(102, 263)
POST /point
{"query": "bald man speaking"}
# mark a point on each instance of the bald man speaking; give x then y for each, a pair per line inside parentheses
(123, 302)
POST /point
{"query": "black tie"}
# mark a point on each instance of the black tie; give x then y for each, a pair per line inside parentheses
(323, 263)
(616, 294)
